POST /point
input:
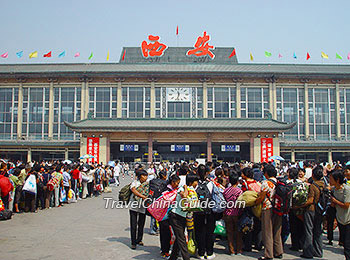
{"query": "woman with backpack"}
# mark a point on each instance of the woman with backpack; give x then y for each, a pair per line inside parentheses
(204, 222)
(300, 191)
(178, 220)
(312, 217)
(164, 226)
(271, 223)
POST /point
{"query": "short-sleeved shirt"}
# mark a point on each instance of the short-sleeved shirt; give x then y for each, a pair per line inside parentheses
(314, 192)
(231, 194)
(135, 184)
(22, 176)
(343, 195)
(177, 209)
(269, 187)
(66, 179)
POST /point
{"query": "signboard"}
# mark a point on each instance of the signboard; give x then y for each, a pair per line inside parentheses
(266, 149)
(93, 148)
(129, 147)
(180, 148)
(230, 148)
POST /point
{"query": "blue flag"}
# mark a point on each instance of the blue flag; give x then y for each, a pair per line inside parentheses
(19, 54)
(62, 54)
(294, 55)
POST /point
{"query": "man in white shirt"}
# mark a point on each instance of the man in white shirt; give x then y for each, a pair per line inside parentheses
(117, 170)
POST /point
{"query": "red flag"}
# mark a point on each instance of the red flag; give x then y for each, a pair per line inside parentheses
(307, 56)
(48, 55)
(177, 30)
(233, 53)
(124, 55)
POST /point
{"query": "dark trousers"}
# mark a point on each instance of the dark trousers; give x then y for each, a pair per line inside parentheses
(331, 213)
(66, 189)
(204, 226)
(254, 237)
(90, 187)
(313, 234)
(47, 197)
(234, 236)
(345, 229)
(30, 204)
(137, 223)
(296, 231)
(18, 194)
(5, 200)
(178, 224)
(164, 236)
(40, 198)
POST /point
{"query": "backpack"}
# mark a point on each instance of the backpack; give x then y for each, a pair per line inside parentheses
(5, 214)
(125, 193)
(156, 188)
(246, 222)
(324, 200)
(204, 195)
(219, 200)
(282, 200)
(300, 193)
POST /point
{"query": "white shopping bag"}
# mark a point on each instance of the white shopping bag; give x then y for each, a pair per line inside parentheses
(30, 184)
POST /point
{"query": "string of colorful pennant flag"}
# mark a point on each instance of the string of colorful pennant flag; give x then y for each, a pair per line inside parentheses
(62, 54)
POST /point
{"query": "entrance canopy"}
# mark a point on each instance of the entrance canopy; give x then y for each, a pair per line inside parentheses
(183, 125)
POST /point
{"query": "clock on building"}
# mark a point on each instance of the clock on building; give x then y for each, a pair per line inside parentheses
(178, 94)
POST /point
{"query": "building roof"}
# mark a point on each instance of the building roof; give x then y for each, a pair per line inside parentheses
(185, 125)
(315, 144)
(171, 70)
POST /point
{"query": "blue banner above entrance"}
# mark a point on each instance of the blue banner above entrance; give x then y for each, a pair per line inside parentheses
(230, 148)
(179, 148)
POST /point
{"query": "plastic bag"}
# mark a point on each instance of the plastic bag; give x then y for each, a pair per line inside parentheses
(191, 246)
(70, 194)
(30, 184)
(63, 196)
(160, 207)
(220, 228)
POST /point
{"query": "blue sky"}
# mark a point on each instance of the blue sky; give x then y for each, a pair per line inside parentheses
(255, 26)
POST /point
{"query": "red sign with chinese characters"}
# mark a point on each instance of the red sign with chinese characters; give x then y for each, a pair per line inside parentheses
(93, 148)
(266, 149)
(154, 48)
(202, 47)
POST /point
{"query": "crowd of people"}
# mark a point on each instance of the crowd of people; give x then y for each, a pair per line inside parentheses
(302, 200)
(33, 186)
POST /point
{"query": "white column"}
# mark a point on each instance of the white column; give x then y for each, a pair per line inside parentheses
(20, 111)
(119, 100)
(205, 99)
(238, 100)
(153, 100)
(306, 111)
(51, 110)
(29, 155)
(337, 111)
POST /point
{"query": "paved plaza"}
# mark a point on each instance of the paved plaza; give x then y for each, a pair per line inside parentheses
(86, 230)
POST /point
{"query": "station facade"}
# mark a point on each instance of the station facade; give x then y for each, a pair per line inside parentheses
(175, 107)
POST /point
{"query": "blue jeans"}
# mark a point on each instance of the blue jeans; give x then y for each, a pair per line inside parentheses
(153, 226)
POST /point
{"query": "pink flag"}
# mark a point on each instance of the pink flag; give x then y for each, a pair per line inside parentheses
(349, 56)
(5, 55)
(279, 55)
(77, 54)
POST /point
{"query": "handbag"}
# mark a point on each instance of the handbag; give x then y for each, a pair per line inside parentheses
(2, 207)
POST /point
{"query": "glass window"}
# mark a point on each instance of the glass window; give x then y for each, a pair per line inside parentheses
(8, 113)
(221, 98)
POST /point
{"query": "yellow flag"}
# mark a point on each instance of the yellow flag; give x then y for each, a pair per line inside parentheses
(251, 57)
(108, 56)
(33, 55)
(324, 55)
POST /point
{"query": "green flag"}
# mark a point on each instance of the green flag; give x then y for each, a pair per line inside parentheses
(268, 54)
(90, 57)
(338, 56)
